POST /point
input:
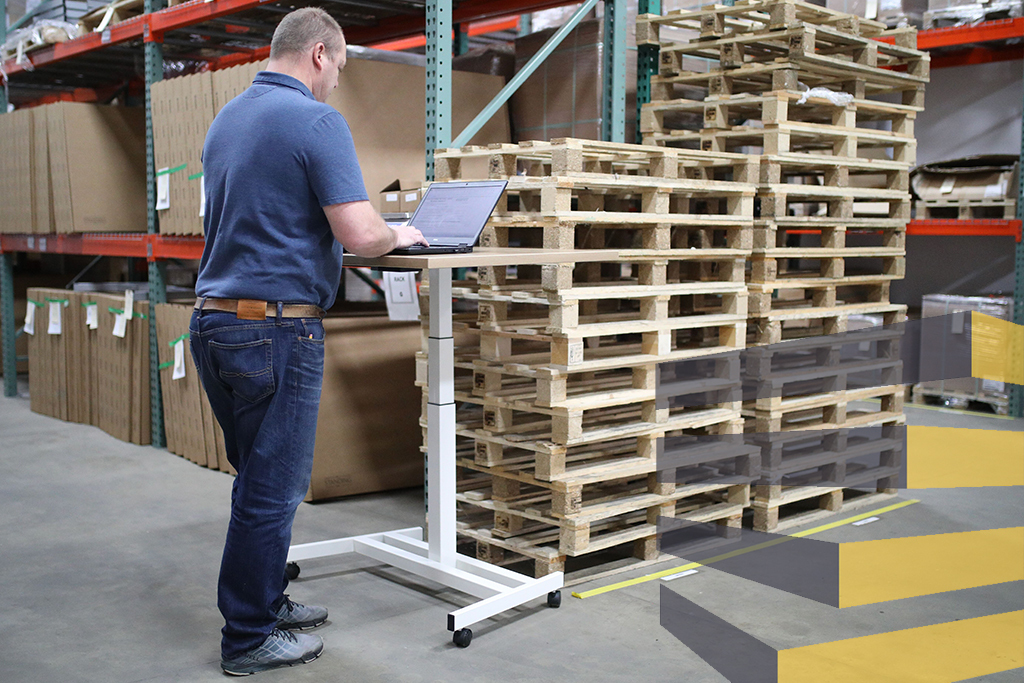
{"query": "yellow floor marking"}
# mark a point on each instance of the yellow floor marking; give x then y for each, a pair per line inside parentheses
(693, 565)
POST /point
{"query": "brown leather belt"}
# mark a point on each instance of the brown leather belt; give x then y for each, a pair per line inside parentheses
(251, 309)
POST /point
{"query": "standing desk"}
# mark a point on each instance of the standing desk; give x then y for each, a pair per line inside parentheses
(499, 589)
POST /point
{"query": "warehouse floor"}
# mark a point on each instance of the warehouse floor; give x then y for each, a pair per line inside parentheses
(109, 558)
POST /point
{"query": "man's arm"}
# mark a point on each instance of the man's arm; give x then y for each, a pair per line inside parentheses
(363, 232)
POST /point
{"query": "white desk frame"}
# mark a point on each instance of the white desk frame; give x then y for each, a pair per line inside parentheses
(499, 589)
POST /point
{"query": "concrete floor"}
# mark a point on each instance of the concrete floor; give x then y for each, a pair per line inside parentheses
(109, 555)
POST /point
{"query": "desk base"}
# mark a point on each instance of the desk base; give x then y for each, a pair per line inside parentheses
(500, 589)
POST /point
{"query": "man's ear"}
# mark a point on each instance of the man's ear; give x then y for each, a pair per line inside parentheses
(319, 55)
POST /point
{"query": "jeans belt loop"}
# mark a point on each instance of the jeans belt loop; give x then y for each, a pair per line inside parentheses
(280, 310)
(202, 302)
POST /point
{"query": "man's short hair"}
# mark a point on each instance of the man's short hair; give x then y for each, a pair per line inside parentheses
(302, 29)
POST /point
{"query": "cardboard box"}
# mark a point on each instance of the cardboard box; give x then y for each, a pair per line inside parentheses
(97, 159)
(48, 354)
(401, 196)
(368, 434)
(122, 371)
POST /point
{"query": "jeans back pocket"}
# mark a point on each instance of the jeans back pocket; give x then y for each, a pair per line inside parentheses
(248, 368)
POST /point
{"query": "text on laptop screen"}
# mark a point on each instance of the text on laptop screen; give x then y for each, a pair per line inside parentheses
(453, 213)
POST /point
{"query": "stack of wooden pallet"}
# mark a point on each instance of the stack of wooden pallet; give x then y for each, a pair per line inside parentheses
(825, 102)
(557, 366)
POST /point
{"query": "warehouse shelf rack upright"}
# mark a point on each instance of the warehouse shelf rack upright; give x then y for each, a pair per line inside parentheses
(989, 41)
(95, 66)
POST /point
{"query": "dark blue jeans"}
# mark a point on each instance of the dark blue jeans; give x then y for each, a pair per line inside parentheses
(263, 379)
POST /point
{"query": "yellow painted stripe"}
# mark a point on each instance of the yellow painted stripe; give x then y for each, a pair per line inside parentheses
(693, 565)
(997, 349)
(947, 457)
(930, 654)
(898, 568)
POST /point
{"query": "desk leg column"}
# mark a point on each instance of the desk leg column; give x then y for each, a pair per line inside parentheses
(441, 420)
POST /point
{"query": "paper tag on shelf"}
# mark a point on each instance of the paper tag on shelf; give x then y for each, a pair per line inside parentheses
(163, 190)
(92, 318)
(42, 244)
(129, 303)
(55, 321)
(202, 196)
(105, 36)
(120, 325)
(993, 385)
(30, 319)
(179, 360)
(400, 295)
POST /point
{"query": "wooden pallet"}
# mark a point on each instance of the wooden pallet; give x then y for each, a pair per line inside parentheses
(966, 209)
(114, 13)
(804, 322)
(998, 403)
(828, 410)
(717, 20)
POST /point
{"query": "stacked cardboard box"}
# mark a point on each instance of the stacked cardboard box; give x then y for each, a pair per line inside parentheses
(557, 368)
(368, 389)
(387, 134)
(87, 374)
(834, 203)
(72, 168)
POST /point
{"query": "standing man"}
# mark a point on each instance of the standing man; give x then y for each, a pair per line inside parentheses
(283, 194)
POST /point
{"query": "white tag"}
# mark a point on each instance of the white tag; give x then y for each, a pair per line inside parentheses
(92, 318)
(42, 244)
(391, 197)
(31, 242)
(55, 322)
(575, 353)
(120, 325)
(30, 319)
(202, 196)
(105, 36)
(129, 303)
(993, 385)
(869, 520)
(411, 196)
(947, 185)
(163, 190)
(179, 360)
(864, 346)
(679, 575)
(957, 322)
(400, 295)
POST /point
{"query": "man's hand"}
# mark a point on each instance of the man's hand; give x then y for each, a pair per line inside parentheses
(407, 236)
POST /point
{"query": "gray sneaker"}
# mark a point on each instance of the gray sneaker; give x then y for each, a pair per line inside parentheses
(295, 617)
(281, 648)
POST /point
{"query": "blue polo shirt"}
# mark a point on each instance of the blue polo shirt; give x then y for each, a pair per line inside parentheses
(272, 158)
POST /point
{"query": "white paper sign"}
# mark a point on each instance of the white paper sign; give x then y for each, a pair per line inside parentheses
(163, 190)
(55, 321)
(92, 318)
(129, 303)
(202, 196)
(30, 318)
(400, 295)
(179, 360)
(120, 325)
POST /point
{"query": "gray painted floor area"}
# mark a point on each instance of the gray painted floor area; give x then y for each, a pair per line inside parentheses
(109, 555)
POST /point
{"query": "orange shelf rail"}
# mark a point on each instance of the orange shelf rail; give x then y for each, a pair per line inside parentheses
(967, 228)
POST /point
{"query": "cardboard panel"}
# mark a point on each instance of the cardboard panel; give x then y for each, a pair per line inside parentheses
(42, 183)
(57, 151)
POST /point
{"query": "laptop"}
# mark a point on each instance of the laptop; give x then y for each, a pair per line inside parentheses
(451, 216)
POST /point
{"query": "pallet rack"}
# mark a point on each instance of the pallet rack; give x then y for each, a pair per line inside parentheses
(100, 65)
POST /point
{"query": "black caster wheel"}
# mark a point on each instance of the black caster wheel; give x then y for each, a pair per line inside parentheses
(291, 571)
(463, 637)
(554, 598)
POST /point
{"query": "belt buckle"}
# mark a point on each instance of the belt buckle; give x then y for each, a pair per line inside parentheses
(250, 309)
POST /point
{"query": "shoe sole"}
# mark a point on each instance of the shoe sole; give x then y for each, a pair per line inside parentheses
(270, 667)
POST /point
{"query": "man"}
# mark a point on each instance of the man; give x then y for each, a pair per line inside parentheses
(283, 194)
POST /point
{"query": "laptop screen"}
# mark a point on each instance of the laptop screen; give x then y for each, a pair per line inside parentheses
(455, 213)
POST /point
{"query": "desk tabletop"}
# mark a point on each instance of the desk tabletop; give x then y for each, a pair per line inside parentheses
(485, 256)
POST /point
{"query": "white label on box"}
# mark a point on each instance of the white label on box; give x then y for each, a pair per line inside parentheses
(30, 319)
(42, 244)
(31, 242)
(179, 360)
(391, 197)
(993, 385)
(400, 295)
(958, 322)
(55, 322)
(129, 303)
(92, 318)
(120, 325)
(163, 190)
(411, 196)
(202, 196)
(947, 185)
